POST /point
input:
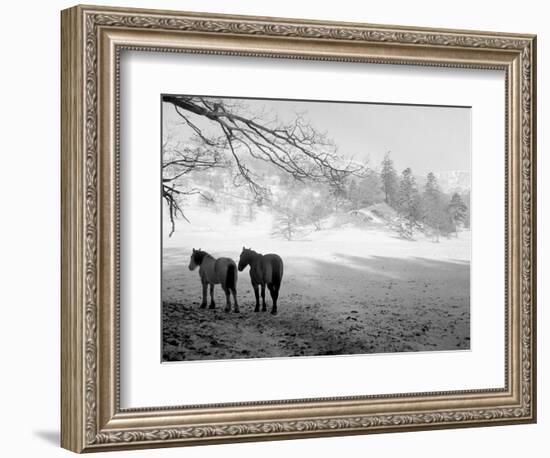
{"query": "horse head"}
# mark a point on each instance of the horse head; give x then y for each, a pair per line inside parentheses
(196, 258)
(244, 259)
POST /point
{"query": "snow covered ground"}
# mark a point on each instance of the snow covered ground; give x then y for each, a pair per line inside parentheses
(346, 289)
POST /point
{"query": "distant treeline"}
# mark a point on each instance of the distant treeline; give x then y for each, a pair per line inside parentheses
(427, 208)
(297, 206)
(418, 208)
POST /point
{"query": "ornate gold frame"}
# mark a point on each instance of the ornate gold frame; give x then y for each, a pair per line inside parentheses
(92, 38)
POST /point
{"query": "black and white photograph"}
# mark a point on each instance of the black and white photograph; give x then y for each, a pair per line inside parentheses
(312, 228)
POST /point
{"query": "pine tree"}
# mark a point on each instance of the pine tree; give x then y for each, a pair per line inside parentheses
(388, 175)
(365, 191)
(457, 210)
(369, 187)
(408, 201)
(434, 207)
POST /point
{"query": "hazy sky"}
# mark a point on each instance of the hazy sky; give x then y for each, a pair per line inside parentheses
(425, 138)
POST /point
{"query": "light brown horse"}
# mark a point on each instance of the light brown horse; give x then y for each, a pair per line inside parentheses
(214, 271)
(265, 269)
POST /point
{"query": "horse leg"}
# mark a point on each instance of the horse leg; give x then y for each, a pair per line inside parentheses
(204, 288)
(274, 291)
(257, 294)
(212, 303)
(236, 308)
(227, 299)
(264, 307)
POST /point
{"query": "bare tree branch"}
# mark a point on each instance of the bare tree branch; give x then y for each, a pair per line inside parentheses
(298, 146)
(295, 148)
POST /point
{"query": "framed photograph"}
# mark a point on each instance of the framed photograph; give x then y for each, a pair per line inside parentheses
(277, 228)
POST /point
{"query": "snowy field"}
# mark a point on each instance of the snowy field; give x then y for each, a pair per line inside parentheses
(346, 290)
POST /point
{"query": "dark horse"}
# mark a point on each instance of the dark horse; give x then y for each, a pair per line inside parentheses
(265, 269)
(215, 271)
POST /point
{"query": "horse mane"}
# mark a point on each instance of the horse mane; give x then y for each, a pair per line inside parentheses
(251, 251)
(250, 255)
(199, 255)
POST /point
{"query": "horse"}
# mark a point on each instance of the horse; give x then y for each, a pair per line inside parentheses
(265, 269)
(214, 271)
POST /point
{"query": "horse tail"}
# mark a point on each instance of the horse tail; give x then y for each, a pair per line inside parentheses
(231, 277)
(276, 272)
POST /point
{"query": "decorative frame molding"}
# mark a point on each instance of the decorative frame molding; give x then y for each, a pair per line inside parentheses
(92, 38)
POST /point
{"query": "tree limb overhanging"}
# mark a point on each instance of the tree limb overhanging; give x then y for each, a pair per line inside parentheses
(294, 148)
